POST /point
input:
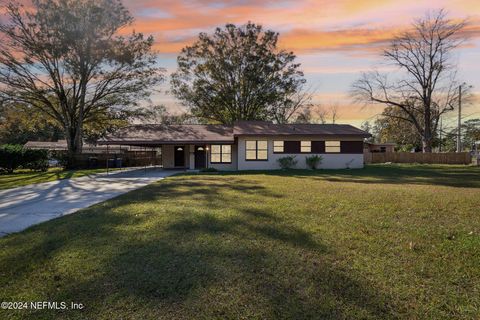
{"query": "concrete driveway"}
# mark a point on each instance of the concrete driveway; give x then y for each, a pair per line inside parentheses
(25, 206)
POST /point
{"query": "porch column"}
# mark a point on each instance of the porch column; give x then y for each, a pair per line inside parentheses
(191, 149)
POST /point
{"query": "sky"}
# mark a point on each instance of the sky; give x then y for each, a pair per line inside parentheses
(334, 40)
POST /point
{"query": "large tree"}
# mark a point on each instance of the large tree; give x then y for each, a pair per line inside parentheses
(67, 59)
(20, 123)
(470, 134)
(239, 73)
(390, 127)
(424, 86)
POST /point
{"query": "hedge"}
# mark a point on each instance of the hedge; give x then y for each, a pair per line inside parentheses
(14, 156)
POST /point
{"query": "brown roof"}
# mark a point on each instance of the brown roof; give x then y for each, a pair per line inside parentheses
(268, 128)
(145, 134)
(61, 145)
(50, 145)
(152, 134)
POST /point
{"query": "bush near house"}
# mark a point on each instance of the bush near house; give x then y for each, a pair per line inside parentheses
(313, 161)
(14, 156)
(287, 162)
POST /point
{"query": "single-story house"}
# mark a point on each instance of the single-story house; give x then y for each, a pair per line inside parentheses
(247, 145)
(380, 147)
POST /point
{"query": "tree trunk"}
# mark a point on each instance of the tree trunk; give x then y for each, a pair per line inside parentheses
(427, 144)
(427, 131)
(74, 147)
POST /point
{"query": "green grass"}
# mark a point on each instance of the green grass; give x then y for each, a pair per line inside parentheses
(25, 177)
(386, 242)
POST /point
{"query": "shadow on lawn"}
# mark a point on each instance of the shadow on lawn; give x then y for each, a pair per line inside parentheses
(451, 176)
(195, 264)
(21, 179)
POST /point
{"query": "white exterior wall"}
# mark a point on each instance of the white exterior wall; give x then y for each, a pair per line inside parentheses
(330, 160)
(225, 166)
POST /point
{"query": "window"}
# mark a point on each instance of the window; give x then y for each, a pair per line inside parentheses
(332, 146)
(256, 150)
(221, 153)
(278, 147)
(306, 146)
(383, 149)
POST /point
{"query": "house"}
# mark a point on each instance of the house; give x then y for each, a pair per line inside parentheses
(61, 145)
(247, 145)
(380, 147)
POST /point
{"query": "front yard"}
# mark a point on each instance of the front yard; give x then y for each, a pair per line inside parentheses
(385, 242)
(22, 178)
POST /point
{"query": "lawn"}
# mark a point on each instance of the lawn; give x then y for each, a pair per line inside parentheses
(386, 242)
(25, 177)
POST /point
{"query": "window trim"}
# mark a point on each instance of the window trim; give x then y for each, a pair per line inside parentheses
(221, 154)
(256, 150)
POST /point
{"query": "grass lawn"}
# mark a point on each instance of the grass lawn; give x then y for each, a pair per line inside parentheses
(24, 177)
(386, 242)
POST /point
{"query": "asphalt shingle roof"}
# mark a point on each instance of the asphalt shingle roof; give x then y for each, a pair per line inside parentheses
(145, 134)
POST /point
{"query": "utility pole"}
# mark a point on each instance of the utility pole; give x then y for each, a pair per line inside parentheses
(459, 141)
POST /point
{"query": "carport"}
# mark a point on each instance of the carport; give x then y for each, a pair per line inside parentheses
(179, 146)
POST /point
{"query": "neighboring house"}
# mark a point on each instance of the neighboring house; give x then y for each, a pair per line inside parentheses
(380, 147)
(247, 145)
(61, 145)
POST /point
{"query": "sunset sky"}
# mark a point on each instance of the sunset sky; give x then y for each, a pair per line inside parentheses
(334, 40)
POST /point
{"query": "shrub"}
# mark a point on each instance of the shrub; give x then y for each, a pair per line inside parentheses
(35, 159)
(209, 170)
(313, 161)
(287, 162)
(11, 157)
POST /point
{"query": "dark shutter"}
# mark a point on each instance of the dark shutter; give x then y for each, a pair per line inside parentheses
(291, 146)
(318, 146)
(351, 146)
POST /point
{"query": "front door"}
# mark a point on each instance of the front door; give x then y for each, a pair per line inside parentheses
(179, 156)
(200, 157)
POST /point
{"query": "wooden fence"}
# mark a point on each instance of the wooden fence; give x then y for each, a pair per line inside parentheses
(408, 157)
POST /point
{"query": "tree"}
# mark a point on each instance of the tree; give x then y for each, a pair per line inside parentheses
(323, 115)
(295, 107)
(390, 127)
(66, 59)
(427, 87)
(20, 123)
(159, 114)
(367, 127)
(470, 134)
(238, 73)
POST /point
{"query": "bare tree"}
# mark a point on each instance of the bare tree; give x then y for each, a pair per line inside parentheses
(426, 87)
(324, 115)
(66, 59)
(334, 112)
(294, 107)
